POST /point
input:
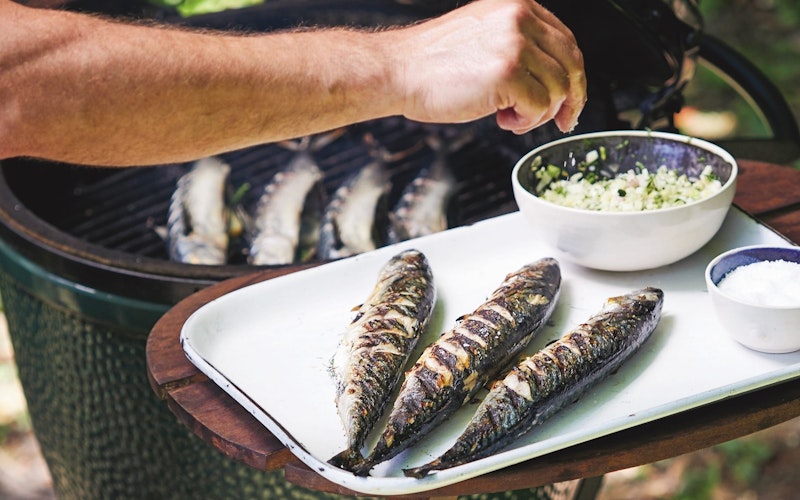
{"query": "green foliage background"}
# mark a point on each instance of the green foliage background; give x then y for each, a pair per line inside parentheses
(767, 33)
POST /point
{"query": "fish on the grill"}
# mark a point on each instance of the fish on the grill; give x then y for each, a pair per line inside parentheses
(454, 367)
(376, 346)
(543, 383)
(288, 215)
(198, 216)
(352, 223)
(422, 207)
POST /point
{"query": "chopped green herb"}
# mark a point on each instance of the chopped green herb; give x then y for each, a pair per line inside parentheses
(635, 190)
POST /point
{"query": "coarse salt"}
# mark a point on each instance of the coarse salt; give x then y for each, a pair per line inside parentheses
(774, 283)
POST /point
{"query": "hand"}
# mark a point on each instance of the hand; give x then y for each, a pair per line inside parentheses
(509, 57)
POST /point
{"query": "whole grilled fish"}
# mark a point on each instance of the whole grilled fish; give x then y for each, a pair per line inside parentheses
(543, 383)
(453, 368)
(290, 206)
(376, 346)
(198, 217)
(422, 207)
(351, 219)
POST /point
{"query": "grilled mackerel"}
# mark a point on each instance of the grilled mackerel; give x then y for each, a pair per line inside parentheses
(452, 369)
(198, 217)
(377, 345)
(422, 207)
(543, 383)
(352, 218)
(279, 220)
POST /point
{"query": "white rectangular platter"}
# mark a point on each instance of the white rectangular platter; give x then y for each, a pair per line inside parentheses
(269, 346)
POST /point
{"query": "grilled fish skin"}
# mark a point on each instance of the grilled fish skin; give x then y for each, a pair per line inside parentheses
(422, 207)
(278, 221)
(349, 224)
(197, 220)
(543, 383)
(377, 344)
(289, 211)
(453, 368)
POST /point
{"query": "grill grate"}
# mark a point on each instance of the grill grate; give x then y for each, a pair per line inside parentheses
(122, 209)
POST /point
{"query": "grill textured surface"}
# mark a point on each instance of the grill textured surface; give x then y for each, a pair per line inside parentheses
(102, 430)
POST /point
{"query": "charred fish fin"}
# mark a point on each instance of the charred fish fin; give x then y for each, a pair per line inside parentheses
(312, 143)
(380, 153)
(322, 140)
(296, 146)
(362, 469)
(348, 459)
(422, 470)
(444, 147)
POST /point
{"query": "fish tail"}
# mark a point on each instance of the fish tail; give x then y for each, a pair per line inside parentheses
(349, 459)
(501, 419)
(362, 469)
(422, 470)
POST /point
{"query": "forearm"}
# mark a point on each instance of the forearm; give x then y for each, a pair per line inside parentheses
(89, 91)
(82, 90)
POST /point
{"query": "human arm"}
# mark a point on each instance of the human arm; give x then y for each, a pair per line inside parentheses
(81, 89)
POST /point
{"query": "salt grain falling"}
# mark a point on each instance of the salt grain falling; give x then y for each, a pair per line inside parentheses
(769, 283)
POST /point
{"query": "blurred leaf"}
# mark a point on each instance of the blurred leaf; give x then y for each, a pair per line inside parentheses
(699, 483)
(745, 458)
(189, 8)
(767, 33)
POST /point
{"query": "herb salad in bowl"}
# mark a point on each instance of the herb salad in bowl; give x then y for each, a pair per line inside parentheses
(625, 200)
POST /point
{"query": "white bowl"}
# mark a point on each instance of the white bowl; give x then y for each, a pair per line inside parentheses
(765, 328)
(626, 241)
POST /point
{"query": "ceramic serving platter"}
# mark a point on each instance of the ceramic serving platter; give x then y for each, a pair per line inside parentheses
(269, 346)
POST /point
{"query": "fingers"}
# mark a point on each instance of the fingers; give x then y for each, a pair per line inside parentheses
(566, 119)
(551, 83)
(550, 90)
(512, 58)
(539, 95)
(567, 54)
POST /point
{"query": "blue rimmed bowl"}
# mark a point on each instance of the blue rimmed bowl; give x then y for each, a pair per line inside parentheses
(766, 316)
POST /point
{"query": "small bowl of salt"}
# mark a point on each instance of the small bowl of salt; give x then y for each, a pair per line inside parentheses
(755, 292)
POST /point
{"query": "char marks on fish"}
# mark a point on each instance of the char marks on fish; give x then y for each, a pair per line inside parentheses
(289, 211)
(454, 367)
(377, 344)
(355, 216)
(543, 383)
(423, 205)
